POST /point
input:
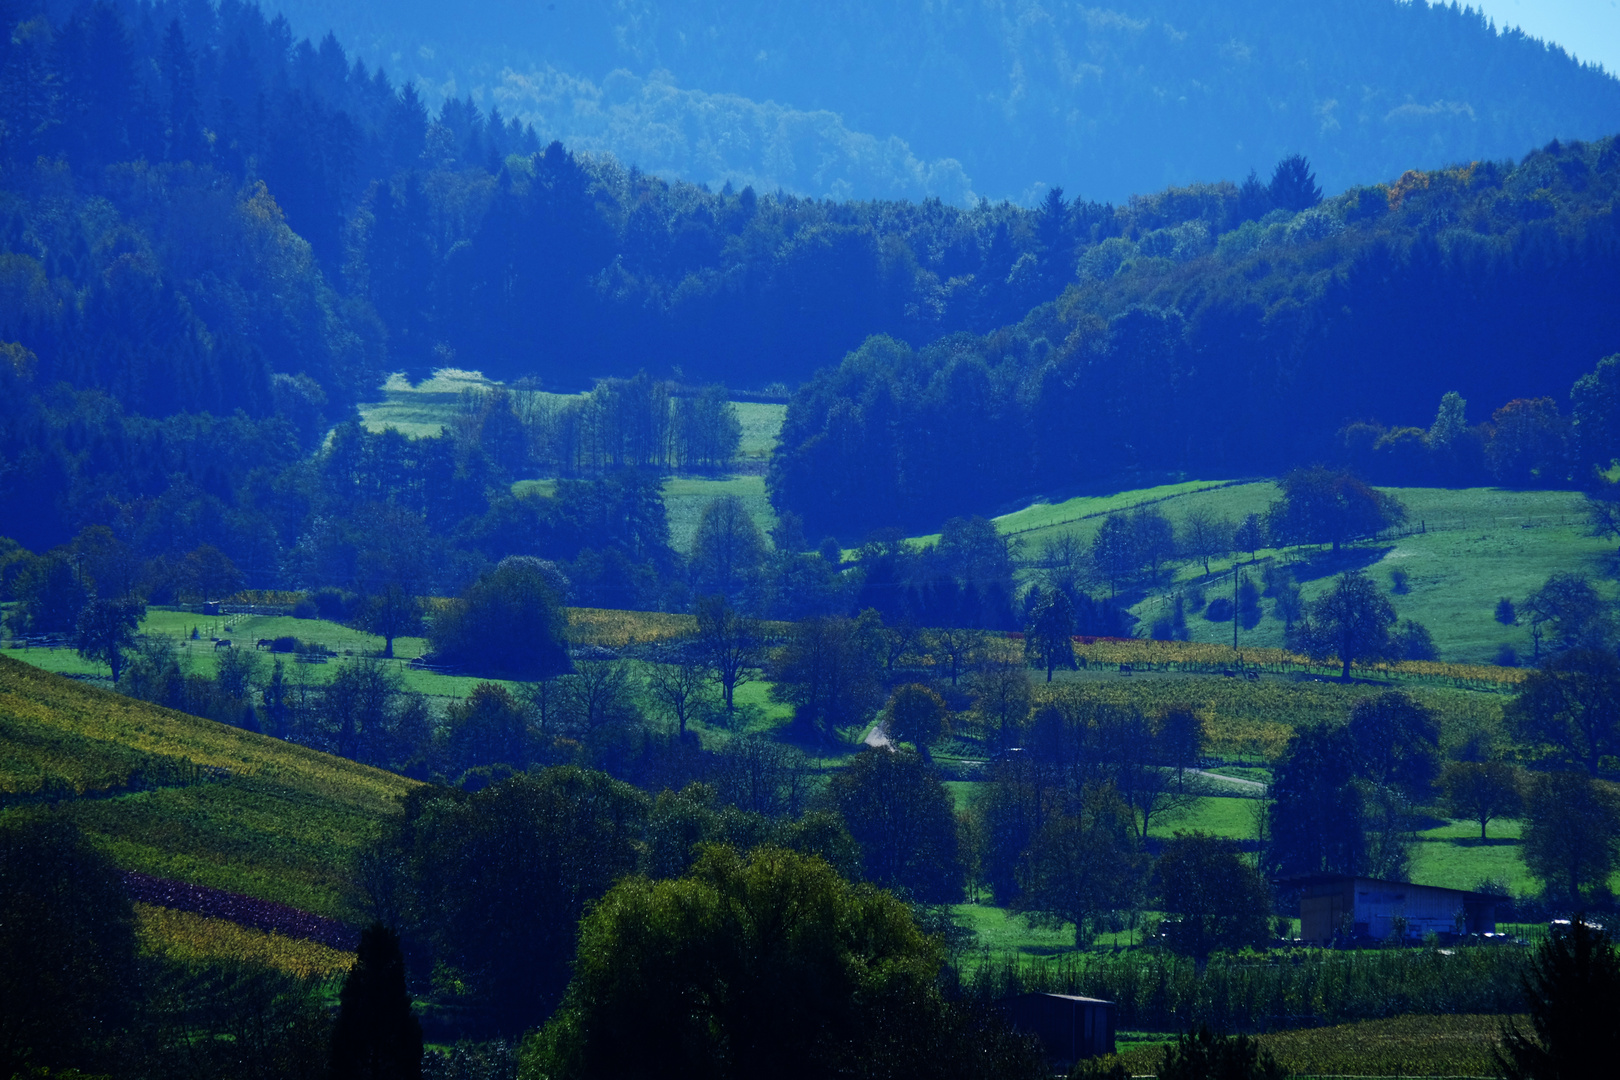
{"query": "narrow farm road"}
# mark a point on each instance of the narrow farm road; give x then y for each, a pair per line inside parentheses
(1233, 781)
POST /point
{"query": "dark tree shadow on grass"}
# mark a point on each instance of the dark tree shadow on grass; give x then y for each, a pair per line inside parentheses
(1316, 565)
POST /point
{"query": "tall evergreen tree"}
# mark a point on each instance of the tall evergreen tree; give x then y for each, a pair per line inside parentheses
(377, 1036)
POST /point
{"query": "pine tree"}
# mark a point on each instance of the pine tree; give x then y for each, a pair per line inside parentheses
(1572, 993)
(376, 1037)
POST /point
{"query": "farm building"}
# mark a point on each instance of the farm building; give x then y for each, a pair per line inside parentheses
(1348, 906)
(1069, 1028)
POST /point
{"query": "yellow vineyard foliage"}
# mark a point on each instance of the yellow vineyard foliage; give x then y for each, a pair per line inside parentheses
(1412, 1045)
(192, 938)
(57, 728)
(615, 629)
(266, 598)
(1205, 656)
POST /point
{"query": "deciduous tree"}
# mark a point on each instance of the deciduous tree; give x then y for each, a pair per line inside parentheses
(1572, 839)
(1566, 712)
(1049, 637)
(1213, 897)
(106, 631)
(1350, 622)
(1482, 790)
(1084, 865)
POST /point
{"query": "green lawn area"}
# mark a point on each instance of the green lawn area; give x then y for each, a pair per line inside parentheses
(686, 496)
(761, 423)
(1215, 815)
(1468, 548)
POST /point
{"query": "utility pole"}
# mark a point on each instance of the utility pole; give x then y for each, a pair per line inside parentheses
(1234, 602)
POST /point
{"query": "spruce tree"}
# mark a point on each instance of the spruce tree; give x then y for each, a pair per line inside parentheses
(376, 1037)
(1572, 993)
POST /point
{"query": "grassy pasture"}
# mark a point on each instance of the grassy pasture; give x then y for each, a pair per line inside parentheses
(686, 496)
(279, 821)
(761, 423)
(1465, 548)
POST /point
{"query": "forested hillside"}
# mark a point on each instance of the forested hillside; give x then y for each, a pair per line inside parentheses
(998, 97)
(1200, 339)
(214, 241)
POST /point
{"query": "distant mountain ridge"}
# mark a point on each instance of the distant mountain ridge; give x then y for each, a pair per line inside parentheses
(1001, 98)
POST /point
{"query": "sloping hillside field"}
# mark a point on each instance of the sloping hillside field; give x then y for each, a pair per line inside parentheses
(189, 799)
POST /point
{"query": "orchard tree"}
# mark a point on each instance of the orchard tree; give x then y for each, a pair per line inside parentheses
(905, 822)
(1320, 506)
(1482, 790)
(1205, 536)
(1084, 865)
(1350, 622)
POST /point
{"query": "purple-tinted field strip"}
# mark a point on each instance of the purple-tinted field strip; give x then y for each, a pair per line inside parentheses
(242, 910)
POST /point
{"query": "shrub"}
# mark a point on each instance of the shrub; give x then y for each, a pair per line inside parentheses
(334, 605)
(305, 609)
(1507, 656)
(1219, 609)
(1398, 582)
(1505, 613)
(284, 644)
(1413, 641)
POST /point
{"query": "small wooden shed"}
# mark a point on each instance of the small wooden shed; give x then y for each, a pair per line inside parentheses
(1069, 1028)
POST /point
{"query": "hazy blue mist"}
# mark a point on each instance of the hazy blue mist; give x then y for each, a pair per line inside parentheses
(1000, 98)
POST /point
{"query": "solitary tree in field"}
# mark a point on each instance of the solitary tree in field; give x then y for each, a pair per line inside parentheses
(393, 612)
(1049, 638)
(1351, 621)
(729, 644)
(1482, 790)
(1204, 536)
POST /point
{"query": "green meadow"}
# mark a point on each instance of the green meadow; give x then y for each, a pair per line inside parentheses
(1461, 549)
